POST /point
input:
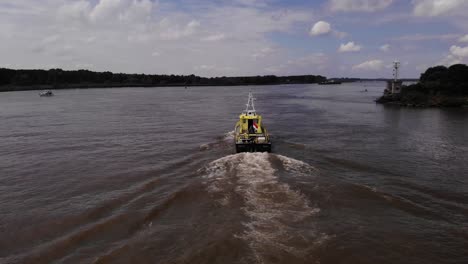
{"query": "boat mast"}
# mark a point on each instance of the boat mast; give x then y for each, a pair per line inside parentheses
(250, 104)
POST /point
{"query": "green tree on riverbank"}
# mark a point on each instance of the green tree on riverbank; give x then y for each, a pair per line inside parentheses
(60, 79)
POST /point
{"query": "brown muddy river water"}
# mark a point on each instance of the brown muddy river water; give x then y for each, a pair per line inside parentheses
(149, 175)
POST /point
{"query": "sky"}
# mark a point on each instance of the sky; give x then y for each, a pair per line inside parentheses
(335, 38)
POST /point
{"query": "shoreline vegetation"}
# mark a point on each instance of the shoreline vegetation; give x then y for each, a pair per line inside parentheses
(438, 86)
(54, 79)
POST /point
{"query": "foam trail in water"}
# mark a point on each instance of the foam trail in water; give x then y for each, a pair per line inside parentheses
(228, 138)
(272, 207)
(294, 165)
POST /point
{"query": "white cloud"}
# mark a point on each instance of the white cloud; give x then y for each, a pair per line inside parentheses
(385, 47)
(175, 32)
(21, 8)
(422, 67)
(431, 8)
(370, 65)
(320, 28)
(349, 47)
(137, 11)
(204, 67)
(78, 10)
(50, 39)
(456, 55)
(215, 37)
(340, 34)
(45, 43)
(105, 9)
(263, 52)
(105, 12)
(121, 42)
(315, 62)
(459, 51)
(87, 66)
(255, 3)
(427, 37)
(90, 39)
(463, 39)
(450, 60)
(252, 23)
(359, 5)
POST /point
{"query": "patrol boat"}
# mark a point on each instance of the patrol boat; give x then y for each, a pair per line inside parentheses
(249, 134)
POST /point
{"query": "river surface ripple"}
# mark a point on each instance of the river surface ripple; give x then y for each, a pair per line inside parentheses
(149, 175)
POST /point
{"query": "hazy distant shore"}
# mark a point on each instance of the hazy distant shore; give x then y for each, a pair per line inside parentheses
(20, 80)
(100, 85)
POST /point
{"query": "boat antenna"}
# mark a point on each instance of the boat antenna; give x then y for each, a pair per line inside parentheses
(250, 104)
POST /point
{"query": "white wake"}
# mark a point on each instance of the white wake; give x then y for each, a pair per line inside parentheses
(272, 207)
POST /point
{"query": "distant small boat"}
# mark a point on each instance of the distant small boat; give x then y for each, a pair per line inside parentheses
(46, 93)
(329, 82)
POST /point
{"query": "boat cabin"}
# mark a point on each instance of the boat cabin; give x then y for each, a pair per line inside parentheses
(250, 123)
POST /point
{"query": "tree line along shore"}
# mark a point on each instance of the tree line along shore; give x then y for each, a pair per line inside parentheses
(18, 80)
(438, 86)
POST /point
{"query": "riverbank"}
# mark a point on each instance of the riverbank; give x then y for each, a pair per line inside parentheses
(91, 86)
(100, 85)
(438, 87)
(21, 80)
(422, 100)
